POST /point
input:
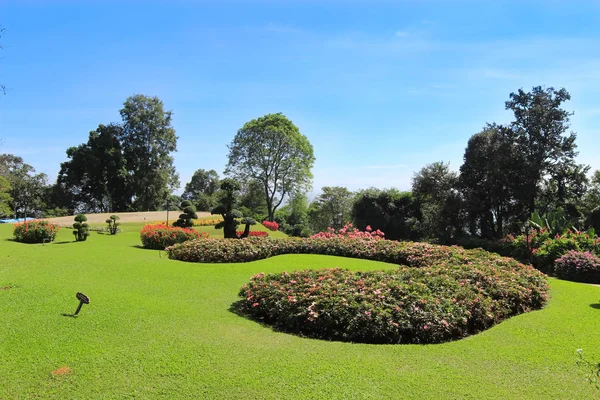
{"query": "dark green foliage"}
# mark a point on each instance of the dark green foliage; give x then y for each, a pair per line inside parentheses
(593, 219)
(252, 200)
(27, 188)
(228, 199)
(332, 208)
(293, 217)
(396, 213)
(272, 151)
(490, 181)
(540, 133)
(201, 189)
(148, 139)
(436, 189)
(80, 228)
(94, 177)
(187, 215)
(113, 224)
(5, 198)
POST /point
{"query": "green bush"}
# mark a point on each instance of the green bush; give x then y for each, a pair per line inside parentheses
(37, 231)
(578, 266)
(80, 228)
(113, 224)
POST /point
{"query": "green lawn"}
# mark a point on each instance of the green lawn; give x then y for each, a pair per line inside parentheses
(158, 328)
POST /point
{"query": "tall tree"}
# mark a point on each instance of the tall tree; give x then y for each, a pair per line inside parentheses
(397, 214)
(148, 139)
(5, 198)
(201, 188)
(272, 150)
(95, 173)
(330, 209)
(540, 132)
(491, 181)
(435, 187)
(27, 187)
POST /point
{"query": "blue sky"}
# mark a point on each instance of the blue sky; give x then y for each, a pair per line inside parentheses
(380, 88)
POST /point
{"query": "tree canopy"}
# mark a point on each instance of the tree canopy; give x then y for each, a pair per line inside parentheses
(272, 150)
(148, 139)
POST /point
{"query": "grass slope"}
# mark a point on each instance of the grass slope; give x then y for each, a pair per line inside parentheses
(158, 328)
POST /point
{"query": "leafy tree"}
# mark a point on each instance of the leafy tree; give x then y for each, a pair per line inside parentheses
(540, 133)
(272, 150)
(435, 188)
(80, 228)
(187, 215)
(565, 188)
(227, 201)
(397, 214)
(95, 174)
(490, 180)
(293, 217)
(28, 188)
(330, 209)
(5, 198)
(201, 188)
(148, 139)
(252, 200)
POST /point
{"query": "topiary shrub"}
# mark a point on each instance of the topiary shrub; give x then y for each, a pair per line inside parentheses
(161, 236)
(80, 228)
(113, 224)
(187, 215)
(578, 266)
(36, 231)
(226, 208)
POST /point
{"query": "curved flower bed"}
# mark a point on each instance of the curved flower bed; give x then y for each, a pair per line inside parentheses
(438, 294)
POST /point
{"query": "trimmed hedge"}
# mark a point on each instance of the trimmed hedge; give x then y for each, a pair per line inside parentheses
(160, 236)
(579, 267)
(440, 293)
(36, 231)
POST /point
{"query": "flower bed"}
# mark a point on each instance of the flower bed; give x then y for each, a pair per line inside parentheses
(36, 231)
(254, 233)
(438, 294)
(272, 226)
(161, 236)
(206, 222)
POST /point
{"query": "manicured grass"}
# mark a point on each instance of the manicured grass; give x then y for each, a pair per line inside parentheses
(158, 328)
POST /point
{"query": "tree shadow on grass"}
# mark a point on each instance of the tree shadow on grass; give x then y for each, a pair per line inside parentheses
(595, 305)
(64, 242)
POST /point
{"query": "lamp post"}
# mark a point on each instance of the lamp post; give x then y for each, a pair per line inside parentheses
(168, 207)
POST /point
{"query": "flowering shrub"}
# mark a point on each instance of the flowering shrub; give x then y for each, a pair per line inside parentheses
(272, 226)
(207, 222)
(538, 247)
(36, 231)
(348, 231)
(160, 236)
(409, 305)
(254, 233)
(578, 266)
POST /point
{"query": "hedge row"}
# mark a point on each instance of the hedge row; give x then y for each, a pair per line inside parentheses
(36, 231)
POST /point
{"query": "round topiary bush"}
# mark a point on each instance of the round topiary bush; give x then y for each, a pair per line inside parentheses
(36, 231)
(578, 266)
(161, 236)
